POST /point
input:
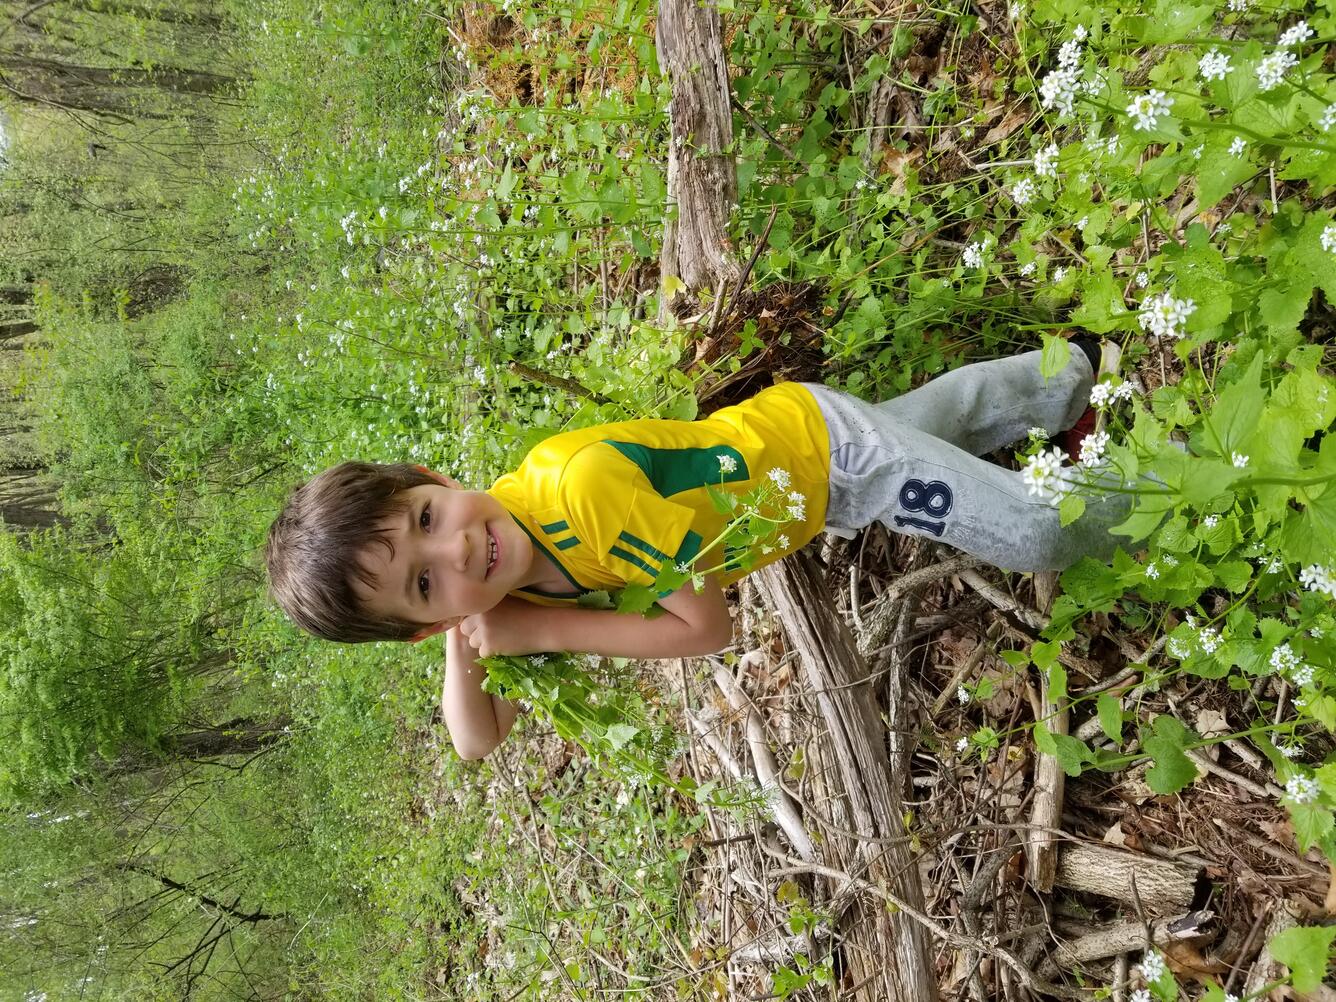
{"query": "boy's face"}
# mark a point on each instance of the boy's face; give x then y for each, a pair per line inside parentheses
(456, 553)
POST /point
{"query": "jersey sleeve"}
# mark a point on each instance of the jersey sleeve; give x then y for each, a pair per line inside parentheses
(632, 530)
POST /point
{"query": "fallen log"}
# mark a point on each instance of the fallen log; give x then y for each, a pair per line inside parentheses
(886, 954)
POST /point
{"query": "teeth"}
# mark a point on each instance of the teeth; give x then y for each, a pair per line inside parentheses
(491, 550)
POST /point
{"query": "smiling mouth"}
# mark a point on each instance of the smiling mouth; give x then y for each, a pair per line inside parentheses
(493, 551)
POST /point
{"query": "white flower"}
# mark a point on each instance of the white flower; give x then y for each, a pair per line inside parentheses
(1302, 675)
(1214, 65)
(780, 477)
(1100, 395)
(1059, 274)
(1272, 69)
(1152, 966)
(797, 513)
(1230, 996)
(962, 694)
(1045, 161)
(1152, 571)
(973, 256)
(1328, 118)
(1058, 89)
(1164, 316)
(1328, 238)
(1014, 11)
(1239, 460)
(1070, 53)
(1289, 751)
(1023, 192)
(1236, 147)
(1302, 789)
(1178, 648)
(1238, 6)
(1092, 448)
(1284, 659)
(1043, 475)
(1210, 521)
(1148, 108)
(1027, 269)
(1318, 578)
(1209, 639)
(1142, 280)
(1141, 995)
(1273, 565)
(727, 464)
(1079, 33)
(1037, 433)
(1082, 223)
(782, 542)
(1169, 560)
(682, 568)
(1296, 35)
(1316, 633)
(963, 744)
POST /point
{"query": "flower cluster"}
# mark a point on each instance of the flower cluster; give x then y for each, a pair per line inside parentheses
(1328, 237)
(1023, 193)
(1164, 316)
(1213, 65)
(1104, 395)
(1092, 448)
(1058, 89)
(1272, 69)
(1045, 161)
(1319, 579)
(973, 256)
(1152, 966)
(1302, 789)
(1044, 476)
(1148, 109)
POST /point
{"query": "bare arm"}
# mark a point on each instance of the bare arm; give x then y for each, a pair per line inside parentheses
(477, 721)
(691, 624)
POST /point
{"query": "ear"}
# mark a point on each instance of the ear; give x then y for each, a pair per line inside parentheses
(431, 631)
(441, 478)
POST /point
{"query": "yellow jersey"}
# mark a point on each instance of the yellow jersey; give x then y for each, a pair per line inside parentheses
(611, 503)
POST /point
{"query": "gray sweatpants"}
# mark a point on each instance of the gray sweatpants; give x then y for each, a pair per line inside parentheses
(912, 463)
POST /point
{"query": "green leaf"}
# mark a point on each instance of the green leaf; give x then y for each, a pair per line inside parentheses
(1311, 823)
(1111, 716)
(620, 735)
(1170, 22)
(1306, 951)
(635, 598)
(1056, 353)
(1233, 418)
(1172, 770)
(1070, 508)
(1234, 574)
(1070, 752)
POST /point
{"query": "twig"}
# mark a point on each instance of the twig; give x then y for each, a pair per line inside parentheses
(787, 815)
(1003, 601)
(1127, 937)
(1027, 976)
(558, 382)
(883, 613)
(751, 263)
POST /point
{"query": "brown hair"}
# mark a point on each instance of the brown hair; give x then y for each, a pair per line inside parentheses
(314, 546)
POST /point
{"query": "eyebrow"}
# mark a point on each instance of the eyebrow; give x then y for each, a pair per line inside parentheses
(408, 580)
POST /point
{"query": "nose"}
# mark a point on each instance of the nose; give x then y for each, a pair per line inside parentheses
(455, 551)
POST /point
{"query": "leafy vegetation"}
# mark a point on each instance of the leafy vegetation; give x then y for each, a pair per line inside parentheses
(431, 231)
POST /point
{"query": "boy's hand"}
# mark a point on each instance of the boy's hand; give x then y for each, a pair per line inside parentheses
(507, 628)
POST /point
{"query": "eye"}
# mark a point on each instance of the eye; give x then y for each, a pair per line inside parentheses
(424, 585)
(424, 520)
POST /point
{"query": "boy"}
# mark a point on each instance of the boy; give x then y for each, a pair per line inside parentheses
(365, 552)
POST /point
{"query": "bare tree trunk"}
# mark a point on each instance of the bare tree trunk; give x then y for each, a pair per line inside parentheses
(702, 174)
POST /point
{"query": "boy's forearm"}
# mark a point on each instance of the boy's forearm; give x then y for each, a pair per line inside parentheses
(616, 634)
(477, 720)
